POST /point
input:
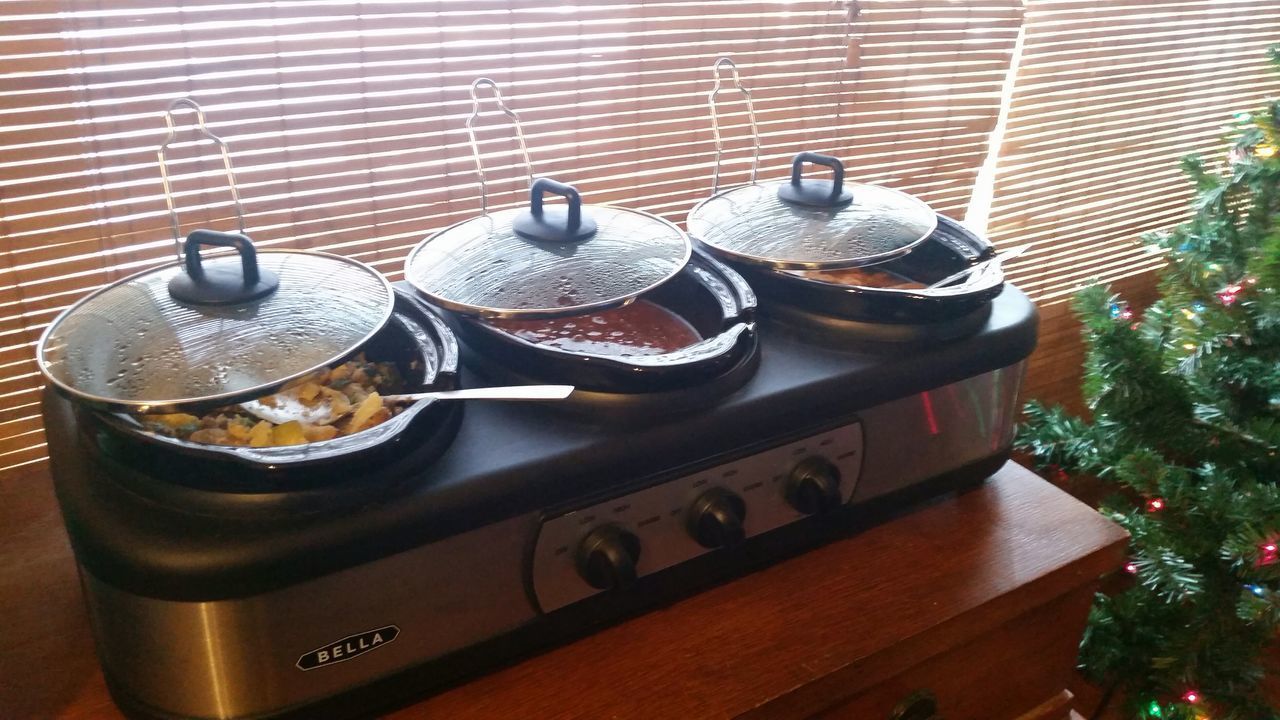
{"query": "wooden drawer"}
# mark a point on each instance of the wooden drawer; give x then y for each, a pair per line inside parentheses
(1018, 671)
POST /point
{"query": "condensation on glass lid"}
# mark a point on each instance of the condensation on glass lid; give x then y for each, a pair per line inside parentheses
(132, 344)
(751, 223)
(640, 328)
(482, 266)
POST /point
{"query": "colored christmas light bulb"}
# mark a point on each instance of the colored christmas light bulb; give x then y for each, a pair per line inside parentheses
(1126, 314)
(1191, 696)
(1257, 590)
(1265, 151)
(1155, 504)
(1131, 568)
(1115, 310)
(1153, 710)
(1269, 553)
(1198, 306)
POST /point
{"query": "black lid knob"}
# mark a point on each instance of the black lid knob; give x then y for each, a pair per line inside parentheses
(816, 193)
(814, 486)
(716, 519)
(554, 224)
(607, 558)
(221, 284)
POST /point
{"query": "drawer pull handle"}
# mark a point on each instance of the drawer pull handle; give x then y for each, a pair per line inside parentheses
(919, 705)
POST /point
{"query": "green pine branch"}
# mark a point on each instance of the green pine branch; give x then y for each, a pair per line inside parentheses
(1185, 428)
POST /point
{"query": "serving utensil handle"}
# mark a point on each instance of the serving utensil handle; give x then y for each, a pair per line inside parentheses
(724, 61)
(475, 145)
(227, 167)
(508, 392)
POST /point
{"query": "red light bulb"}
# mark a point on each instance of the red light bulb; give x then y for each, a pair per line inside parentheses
(1270, 553)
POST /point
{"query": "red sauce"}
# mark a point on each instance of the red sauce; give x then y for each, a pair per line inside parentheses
(863, 277)
(641, 328)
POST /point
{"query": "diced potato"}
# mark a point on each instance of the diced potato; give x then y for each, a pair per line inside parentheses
(238, 431)
(260, 435)
(307, 393)
(174, 420)
(316, 433)
(364, 413)
(336, 400)
(379, 416)
(211, 436)
(342, 372)
(289, 433)
(268, 400)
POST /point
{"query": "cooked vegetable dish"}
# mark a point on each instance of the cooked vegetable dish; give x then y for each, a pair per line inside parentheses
(353, 390)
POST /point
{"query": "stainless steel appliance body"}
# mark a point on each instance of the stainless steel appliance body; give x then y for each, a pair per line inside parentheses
(533, 526)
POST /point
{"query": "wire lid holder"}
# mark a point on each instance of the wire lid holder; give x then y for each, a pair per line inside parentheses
(725, 61)
(476, 112)
(172, 135)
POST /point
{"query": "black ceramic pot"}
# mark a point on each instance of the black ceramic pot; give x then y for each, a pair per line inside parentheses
(415, 339)
(949, 249)
(710, 296)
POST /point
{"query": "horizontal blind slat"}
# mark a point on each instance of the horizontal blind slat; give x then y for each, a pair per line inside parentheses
(345, 121)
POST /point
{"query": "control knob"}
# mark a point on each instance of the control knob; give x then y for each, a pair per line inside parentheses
(607, 558)
(716, 519)
(814, 486)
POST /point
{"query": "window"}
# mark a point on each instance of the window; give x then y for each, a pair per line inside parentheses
(1108, 96)
(345, 121)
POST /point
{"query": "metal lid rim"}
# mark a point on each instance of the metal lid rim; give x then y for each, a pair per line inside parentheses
(542, 313)
(169, 405)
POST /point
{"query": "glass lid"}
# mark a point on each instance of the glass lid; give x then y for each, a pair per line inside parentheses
(547, 261)
(811, 224)
(213, 331)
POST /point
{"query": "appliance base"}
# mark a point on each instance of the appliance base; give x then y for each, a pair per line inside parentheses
(583, 618)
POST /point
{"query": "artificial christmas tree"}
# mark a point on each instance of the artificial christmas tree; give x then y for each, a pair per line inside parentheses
(1185, 430)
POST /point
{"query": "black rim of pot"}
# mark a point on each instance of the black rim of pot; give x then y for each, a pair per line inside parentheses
(418, 324)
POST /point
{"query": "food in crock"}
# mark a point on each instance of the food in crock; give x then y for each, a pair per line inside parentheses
(862, 277)
(640, 328)
(354, 389)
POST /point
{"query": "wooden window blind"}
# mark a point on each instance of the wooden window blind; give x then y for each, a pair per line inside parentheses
(1108, 96)
(345, 121)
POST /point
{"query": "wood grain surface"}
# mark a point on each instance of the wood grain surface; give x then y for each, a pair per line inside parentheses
(800, 638)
